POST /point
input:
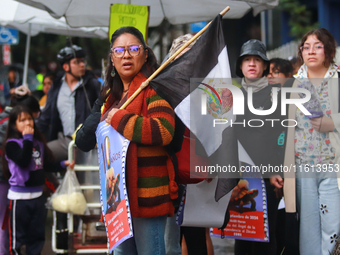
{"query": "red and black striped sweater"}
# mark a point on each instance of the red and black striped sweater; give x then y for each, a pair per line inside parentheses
(150, 171)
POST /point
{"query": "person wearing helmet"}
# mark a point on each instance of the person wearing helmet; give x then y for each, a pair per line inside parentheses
(69, 101)
(72, 59)
(259, 142)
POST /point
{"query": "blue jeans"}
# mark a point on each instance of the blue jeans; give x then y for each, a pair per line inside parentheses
(148, 237)
(318, 200)
(172, 237)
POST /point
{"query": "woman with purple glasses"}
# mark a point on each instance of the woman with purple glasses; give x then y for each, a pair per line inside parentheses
(149, 123)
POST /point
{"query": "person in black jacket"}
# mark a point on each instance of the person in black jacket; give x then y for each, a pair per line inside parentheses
(259, 142)
(69, 100)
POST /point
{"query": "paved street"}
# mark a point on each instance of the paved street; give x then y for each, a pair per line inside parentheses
(221, 246)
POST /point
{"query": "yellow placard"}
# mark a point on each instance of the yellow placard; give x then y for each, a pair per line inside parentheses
(129, 15)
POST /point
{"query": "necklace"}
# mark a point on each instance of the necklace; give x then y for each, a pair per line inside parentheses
(127, 88)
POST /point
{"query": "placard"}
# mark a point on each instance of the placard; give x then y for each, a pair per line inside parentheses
(112, 148)
(248, 212)
(129, 15)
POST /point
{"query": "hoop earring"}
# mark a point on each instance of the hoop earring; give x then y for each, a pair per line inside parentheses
(113, 72)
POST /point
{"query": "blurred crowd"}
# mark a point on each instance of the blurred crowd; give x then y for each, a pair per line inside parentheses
(37, 125)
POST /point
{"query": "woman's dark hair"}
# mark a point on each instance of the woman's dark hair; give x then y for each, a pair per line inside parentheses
(12, 69)
(27, 100)
(327, 40)
(12, 132)
(283, 66)
(49, 75)
(115, 84)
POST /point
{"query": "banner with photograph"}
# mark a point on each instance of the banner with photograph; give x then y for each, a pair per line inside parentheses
(248, 212)
(112, 148)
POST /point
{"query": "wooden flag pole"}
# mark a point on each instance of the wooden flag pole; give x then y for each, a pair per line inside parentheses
(146, 83)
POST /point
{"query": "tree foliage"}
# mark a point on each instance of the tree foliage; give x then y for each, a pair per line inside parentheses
(300, 20)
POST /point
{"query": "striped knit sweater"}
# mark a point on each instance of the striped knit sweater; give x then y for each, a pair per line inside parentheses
(150, 172)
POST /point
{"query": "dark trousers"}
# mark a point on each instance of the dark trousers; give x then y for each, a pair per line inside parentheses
(280, 231)
(27, 225)
(61, 231)
(195, 240)
(262, 248)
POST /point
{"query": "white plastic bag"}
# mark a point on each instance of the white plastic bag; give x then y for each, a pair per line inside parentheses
(68, 197)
